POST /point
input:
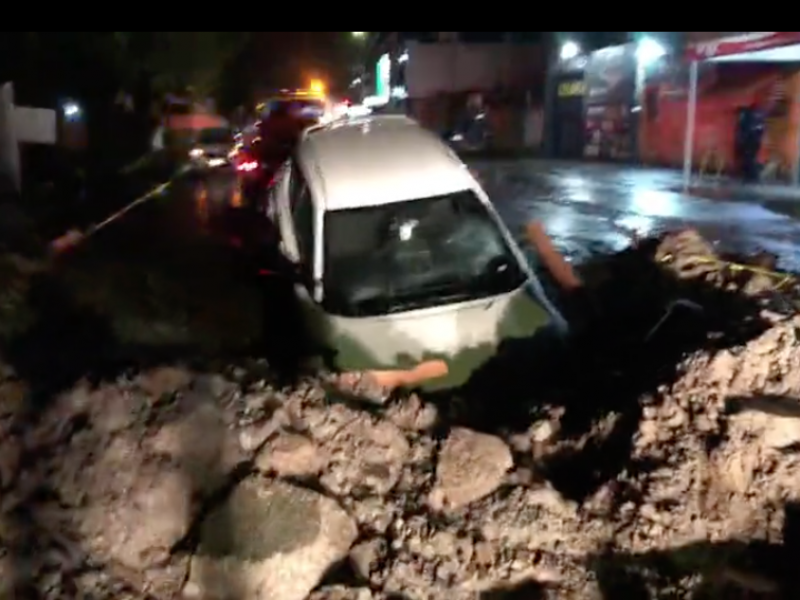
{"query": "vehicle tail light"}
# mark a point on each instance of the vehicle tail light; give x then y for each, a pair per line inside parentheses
(247, 166)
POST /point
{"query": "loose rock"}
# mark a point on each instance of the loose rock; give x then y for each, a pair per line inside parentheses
(628, 480)
(471, 466)
(290, 455)
(269, 542)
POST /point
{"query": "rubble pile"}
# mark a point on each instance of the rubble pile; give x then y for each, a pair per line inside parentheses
(177, 482)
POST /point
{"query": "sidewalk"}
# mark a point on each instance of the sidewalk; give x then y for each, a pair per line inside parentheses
(669, 179)
(730, 189)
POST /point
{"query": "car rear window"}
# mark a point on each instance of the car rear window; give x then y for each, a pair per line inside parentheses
(415, 254)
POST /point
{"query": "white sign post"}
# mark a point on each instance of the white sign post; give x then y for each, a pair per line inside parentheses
(10, 175)
(20, 124)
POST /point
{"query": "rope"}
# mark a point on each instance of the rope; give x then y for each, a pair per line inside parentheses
(739, 267)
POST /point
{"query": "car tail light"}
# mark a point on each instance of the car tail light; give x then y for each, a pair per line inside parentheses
(247, 166)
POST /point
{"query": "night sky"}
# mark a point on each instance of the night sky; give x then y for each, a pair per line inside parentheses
(291, 59)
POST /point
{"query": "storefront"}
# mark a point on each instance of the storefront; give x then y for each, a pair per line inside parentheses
(693, 106)
(778, 98)
(568, 110)
(610, 88)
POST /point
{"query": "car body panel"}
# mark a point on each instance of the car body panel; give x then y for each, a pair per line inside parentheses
(465, 334)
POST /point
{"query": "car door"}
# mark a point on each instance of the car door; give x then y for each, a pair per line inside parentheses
(295, 215)
(277, 193)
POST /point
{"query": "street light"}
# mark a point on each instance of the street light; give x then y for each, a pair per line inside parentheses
(316, 86)
(358, 34)
(649, 51)
(72, 110)
(569, 50)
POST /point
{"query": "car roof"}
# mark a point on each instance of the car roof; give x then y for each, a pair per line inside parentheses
(378, 160)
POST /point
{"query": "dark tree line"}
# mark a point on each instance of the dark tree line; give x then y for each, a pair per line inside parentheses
(96, 66)
(121, 79)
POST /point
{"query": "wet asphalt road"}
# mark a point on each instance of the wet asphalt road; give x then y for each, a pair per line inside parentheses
(586, 208)
(166, 273)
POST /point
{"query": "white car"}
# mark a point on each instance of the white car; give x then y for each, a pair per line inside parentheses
(403, 255)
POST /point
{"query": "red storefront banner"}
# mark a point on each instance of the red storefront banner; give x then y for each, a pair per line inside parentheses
(741, 44)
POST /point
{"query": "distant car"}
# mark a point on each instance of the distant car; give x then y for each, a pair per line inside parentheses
(399, 255)
(283, 120)
(211, 147)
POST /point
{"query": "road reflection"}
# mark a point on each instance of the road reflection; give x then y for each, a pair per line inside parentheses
(584, 207)
(201, 210)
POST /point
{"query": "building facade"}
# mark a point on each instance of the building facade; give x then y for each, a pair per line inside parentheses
(446, 80)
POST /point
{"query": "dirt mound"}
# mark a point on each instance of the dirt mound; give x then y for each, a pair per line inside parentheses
(660, 462)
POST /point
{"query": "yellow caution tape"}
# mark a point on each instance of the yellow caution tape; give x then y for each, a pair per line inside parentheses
(784, 277)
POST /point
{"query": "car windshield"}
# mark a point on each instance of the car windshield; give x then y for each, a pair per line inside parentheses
(415, 254)
(215, 135)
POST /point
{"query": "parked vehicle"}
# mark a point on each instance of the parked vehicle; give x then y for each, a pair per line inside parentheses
(281, 122)
(255, 173)
(211, 147)
(399, 255)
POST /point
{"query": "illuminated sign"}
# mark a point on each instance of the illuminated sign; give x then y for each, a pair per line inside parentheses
(382, 76)
(576, 87)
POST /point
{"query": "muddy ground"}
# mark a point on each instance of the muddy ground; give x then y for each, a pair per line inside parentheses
(654, 456)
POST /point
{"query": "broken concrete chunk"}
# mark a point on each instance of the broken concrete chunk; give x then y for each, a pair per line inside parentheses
(412, 414)
(268, 542)
(164, 380)
(202, 445)
(365, 454)
(139, 529)
(471, 465)
(367, 556)
(290, 455)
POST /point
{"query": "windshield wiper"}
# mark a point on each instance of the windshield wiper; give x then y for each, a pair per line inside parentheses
(430, 300)
(424, 297)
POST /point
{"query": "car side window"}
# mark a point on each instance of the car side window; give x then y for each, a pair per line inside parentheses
(302, 216)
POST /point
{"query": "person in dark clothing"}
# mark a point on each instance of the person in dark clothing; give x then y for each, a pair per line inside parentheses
(285, 338)
(749, 133)
(281, 129)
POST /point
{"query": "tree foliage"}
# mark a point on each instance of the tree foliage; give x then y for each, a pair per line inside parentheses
(184, 61)
(169, 61)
